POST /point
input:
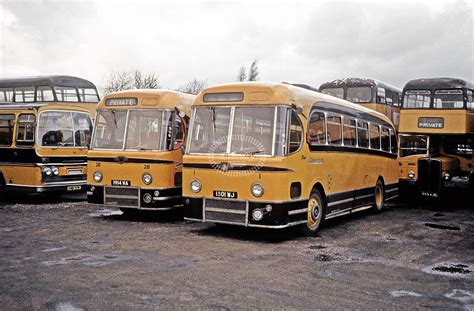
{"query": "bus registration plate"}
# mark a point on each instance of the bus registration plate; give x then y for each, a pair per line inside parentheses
(120, 183)
(225, 194)
(73, 188)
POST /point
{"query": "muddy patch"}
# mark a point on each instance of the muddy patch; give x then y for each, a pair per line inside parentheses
(442, 227)
(450, 269)
(102, 212)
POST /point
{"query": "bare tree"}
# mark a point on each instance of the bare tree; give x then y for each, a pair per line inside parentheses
(118, 81)
(193, 86)
(121, 80)
(242, 74)
(253, 71)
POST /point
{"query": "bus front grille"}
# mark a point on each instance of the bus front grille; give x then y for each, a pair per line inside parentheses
(429, 176)
(122, 197)
(233, 212)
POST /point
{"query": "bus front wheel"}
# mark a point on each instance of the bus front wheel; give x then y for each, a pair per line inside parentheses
(379, 200)
(315, 214)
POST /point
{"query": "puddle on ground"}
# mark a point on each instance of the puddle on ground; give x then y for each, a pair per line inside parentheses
(106, 212)
(67, 306)
(88, 260)
(461, 295)
(404, 293)
(54, 249)
(450, 269)
(459, 268)
(443, 227)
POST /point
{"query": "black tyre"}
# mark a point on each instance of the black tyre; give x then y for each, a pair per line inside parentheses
(379, 198)
(316, 213)
(130, 212)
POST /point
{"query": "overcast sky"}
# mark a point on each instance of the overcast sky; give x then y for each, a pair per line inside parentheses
(296, 41)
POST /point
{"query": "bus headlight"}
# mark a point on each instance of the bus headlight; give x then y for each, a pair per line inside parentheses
(257, 190)
(97, 176)
(55, 170)
(257, 214)
(147, 198)
(411, 174)
(446, 177)
(146, 178)
(47, 171)
(195, 185)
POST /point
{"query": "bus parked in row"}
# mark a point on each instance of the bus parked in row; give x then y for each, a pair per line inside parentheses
(278, 155)
(45, 130)
(370, 93)
(135, 161)
(437, 136)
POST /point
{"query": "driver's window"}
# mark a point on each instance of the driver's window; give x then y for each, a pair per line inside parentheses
(296, 133)
(178, 131)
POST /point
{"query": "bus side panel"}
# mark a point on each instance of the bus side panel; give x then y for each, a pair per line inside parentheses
(22, 175)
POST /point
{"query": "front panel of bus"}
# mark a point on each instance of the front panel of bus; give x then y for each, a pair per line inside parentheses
(438, 131)
(44, 149)
(240, 165)
(135, 159)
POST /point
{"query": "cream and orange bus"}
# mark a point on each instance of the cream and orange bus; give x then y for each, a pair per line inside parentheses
(277, 155)
(437, 136)
(45, 129)
(135, 161)
(370, 93)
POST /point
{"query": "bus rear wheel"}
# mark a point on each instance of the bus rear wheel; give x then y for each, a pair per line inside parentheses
(315, 214)
(379, 199)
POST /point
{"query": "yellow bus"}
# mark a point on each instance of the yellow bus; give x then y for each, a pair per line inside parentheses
(437, 136)
(277, 155)
(45, 129)
(135, 161)
(370, 93)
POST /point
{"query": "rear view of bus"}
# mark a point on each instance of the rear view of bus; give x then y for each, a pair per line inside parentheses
(45, 130)
(370, 93)
(135, 160)
(437, 136)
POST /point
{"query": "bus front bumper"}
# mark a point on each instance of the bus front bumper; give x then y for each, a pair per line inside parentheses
(135, 198)
(275, 215)
(48, 187)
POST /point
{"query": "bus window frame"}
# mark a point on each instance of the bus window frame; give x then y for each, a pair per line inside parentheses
(73, 132)
(290, 111)
(341, 127)
(45, 101)
(23, 94)
(231, 126)
(26, 143)
(464, 97)
(172, 110)
(471, 101)
(13, 125)
(370, 135)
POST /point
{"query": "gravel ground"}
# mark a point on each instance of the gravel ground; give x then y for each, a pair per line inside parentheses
(60, 253)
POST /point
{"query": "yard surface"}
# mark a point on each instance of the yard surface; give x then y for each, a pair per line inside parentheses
(60, 253)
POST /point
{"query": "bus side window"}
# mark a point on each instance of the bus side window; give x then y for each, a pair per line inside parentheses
(178, 132)
(82, 129)
(317, 128)
(381, 95)
(26, 129)
(350, 133)
(296, 132)
(363, 134)
(44, 94)
(396, 97)
(6, 129)
(374, 136)
(385, 139)
(334, 130)
(393, 142)
(470, 104)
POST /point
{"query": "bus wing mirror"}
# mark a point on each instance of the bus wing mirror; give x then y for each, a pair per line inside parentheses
(299, 110)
